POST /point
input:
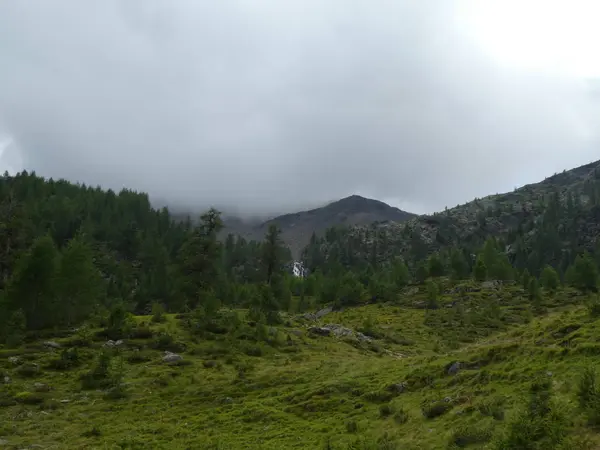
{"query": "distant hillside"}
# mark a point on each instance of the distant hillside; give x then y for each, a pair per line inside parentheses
(541, 223)
(297, 228)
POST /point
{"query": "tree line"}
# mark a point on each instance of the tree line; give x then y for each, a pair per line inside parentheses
(70, 251)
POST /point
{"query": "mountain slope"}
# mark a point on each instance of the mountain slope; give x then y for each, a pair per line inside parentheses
(549, 221)
(297, 228)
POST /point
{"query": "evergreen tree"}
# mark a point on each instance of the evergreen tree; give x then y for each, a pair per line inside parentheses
(32, 285)
(436, 266)
(421, 273)
(550, 279)
(526, 277)
(480, 271)
(400, 274)
(585, 273)
(432, 295)
(79, 285)
(460, 267)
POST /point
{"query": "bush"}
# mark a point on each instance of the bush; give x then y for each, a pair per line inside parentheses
(469, 435)
(593, 307)
(141, 332)
(165, 341)
(436, 409)
(28, 370)
(158, 313)
(99, 376)
(68, 358)
(351, 426)
(29, 398)
(493, 408)
(401, 416)
(386, 410)
(542, 425)
(253, 350)
(378, 396)
(138, 357)
(587, 389)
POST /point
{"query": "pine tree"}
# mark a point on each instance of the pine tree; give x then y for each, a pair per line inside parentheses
(400, 274)
(271, 252)
(432, 295)
(585, 273)
(550, 279)
(32, 286)
(79, 285)
(436, 266)
(480, 271)
(526, 277)
(460, 267)
(421, 273)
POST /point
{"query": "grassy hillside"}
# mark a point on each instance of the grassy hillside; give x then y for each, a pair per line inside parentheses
(395, 386)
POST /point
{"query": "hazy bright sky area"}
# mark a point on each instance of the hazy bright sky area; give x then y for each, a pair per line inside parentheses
(270, 106)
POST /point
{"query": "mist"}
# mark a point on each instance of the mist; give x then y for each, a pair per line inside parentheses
(265, 107)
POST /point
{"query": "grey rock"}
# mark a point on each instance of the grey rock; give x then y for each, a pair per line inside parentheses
(549, 374)
(14, 360)
(3, 442)
(171, 357)
(51, 344)
(112, 344)
(323, 312)
(454, 368)
(65, 400)
(41, 387)
(321, 331)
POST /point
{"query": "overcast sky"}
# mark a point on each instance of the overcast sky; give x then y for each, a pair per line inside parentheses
(271, 106)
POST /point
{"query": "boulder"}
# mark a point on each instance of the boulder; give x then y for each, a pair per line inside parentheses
(454, 368)
(323, 312)
(321, 331)
(51, 344)
(41, 387)
(171, 357)
(14, 360)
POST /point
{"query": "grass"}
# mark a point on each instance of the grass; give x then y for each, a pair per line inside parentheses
(303, 391)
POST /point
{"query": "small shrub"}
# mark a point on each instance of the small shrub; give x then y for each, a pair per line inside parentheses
(469, 435)
(28, 370)
(587, 389)
(351, 426)
(138, 357)
(386, 410)
(141, 332)
(401, 416)
(253, 350)
(99, 376)
(436, 409)
(6, 400)
(68, 358)
(493, 408)
(158, 313)
(593, 307)
(94, 432)
(29, 398)
(165, 341)
(379, 396)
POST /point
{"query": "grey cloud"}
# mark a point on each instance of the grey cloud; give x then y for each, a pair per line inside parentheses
(266, 106)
